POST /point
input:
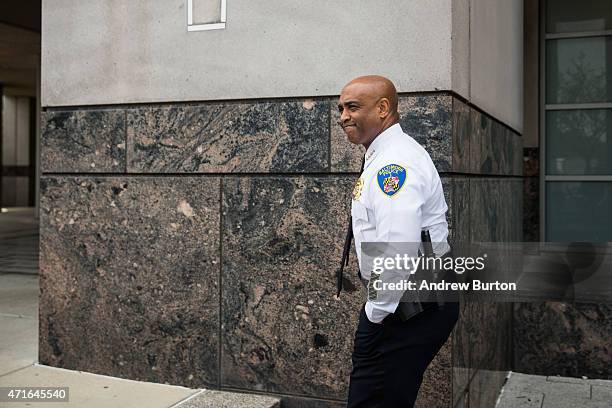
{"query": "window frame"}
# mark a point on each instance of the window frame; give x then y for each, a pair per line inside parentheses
(544, 108)
(210, 26)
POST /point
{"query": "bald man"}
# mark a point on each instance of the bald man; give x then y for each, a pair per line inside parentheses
(397, 197)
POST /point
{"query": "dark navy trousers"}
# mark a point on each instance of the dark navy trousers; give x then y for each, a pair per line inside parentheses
(389, 359)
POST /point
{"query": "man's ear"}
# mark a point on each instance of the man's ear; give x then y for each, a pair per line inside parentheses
(384, 108)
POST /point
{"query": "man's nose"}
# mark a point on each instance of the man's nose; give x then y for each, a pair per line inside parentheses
(344, 116)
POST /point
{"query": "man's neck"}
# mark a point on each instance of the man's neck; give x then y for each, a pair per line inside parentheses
(384, 127)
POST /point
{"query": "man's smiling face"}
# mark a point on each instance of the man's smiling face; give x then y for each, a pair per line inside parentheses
(359, 113)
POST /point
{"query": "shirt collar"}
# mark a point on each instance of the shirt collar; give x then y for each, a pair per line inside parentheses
(381, 140)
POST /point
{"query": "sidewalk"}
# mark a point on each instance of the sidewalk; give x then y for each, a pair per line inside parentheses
(93, 391)
(536, 391)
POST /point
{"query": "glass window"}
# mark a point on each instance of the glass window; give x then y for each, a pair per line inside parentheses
(206, 11)
(564, 16)
(578, 151)
(577, 142)
(578, 211)
(206, 14)
(576, 70)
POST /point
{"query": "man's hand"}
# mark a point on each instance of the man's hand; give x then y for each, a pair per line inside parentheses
(374, 315)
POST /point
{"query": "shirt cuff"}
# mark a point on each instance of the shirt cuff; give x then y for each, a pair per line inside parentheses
(375, 315)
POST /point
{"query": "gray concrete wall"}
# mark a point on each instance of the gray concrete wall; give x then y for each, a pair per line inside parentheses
(120, 51)
(496, 59)
(461, 47)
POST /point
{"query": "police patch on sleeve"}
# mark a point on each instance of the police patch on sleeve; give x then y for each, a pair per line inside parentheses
(391, 178)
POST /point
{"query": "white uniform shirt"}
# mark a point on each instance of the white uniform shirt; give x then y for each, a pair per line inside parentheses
(398, 195)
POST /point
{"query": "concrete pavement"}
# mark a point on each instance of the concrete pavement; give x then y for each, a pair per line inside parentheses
(536, 391)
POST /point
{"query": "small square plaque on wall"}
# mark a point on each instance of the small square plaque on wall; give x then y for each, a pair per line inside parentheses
(206, 15)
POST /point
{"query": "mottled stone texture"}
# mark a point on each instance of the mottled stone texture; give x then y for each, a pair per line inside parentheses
(84, 141)
(485, 210)
(227, 281)
(564, 339)
(459, 137)
(494, 148)
(282, 329)
(426, 118)
(495, 210)
(232, 137)
(129, 277)
(462, 135)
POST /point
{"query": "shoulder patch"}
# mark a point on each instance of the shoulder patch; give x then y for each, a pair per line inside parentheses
(391, 178)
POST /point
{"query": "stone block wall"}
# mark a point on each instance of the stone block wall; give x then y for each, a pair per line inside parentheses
(196, 243)
(487, 208)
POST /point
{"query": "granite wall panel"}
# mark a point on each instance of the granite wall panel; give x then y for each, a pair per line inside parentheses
(129, 277)
(571, 340)
(291, 136)
(462, 340)
(262, 137)
(282, 329)
(485, 211)
(495, 209)
(516, 155)
(83, 141)
(461, 209)
(184, 272)
(462, 136)
(461, 348)
(458, 137)
(494, 148)
(485, 205)
(427, 118)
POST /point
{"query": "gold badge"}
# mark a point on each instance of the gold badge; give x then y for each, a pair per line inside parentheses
(357, 189)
